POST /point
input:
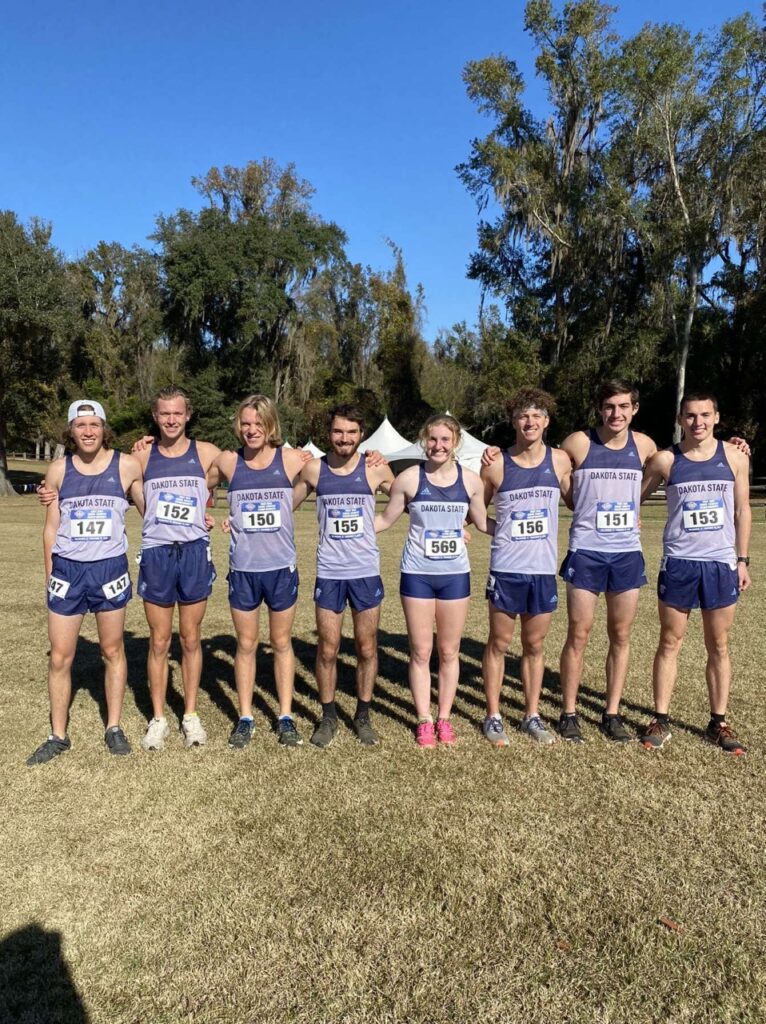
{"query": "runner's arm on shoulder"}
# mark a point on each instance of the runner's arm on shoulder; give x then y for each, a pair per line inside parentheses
(52, 520)
(656, 470)
(491, 476)
(385, 478)
(741, 445)
(207, 453)
(305, 483)
(646, 447)
(294, 460)
(133, 478)
(222, 467)
(143, 444)
(562, 464)
(490, 455)
(397, 502)
(576, 446)
(477, 509)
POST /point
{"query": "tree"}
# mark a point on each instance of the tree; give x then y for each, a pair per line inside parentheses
(36, 316)
(233, 274)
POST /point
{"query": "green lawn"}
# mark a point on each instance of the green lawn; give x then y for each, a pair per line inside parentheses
(385, 885)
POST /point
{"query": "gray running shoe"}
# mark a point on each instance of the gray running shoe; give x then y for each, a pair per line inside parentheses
(324, 733)
(534, 728)
(242, 733)
(655, 735)
(49, 749)
(613, 727)
(365, 732)
(157, 732)
(116, 741)
(287, 734)
(493, 731)
(194, 734)
(569, 729)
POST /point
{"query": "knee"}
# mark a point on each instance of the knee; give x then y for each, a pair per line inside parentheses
(619, 636)
(448, 653)
(247, 645)
(159, 644)
(112, 653)
(670, 643)
(421, 653)
(280, 644)
(532, 647)
(190, 641)
(327, 651)
(717, 646)
(61, 660)
(498, 646)
(366, 649)
(577, 636)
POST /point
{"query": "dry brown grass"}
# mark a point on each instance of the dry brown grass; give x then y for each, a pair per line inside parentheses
(386, 885)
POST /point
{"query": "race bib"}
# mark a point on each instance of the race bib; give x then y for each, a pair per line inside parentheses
(443, 543)
(116, 587)
(261, 516)
(90, 524)
(703, 515)
(345, 523)
(57, 587)
(615, 516)
(531, 524)
(176, 509)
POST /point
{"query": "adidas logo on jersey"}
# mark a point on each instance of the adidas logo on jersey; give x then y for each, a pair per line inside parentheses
(378, 592)
(425, 491)
(275, 473)
(546, 471)
(110, 480)
(721, 465)
(190, 462)
(554, 600)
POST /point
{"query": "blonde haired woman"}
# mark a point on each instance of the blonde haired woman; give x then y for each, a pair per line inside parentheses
(436, 578)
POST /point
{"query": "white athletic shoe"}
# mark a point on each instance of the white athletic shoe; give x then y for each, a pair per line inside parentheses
(156, 734)
(194, 734)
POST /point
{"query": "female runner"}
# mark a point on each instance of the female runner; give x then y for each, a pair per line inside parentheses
(436, 579)
(86, 568)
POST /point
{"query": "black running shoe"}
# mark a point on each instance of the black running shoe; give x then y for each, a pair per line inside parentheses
(365, 732)
(51, 748)
(655, 735)
(242, 733)
(324, 733)
(722, 735)
(287, 734)
(569, 729)
(613, 727)
(116, 741)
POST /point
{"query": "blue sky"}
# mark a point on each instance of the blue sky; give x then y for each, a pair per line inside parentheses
(108, 110)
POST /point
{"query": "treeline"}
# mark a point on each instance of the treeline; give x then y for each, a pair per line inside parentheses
(622, 232)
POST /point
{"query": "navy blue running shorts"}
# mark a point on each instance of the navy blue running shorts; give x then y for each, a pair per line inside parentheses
(602, 573)
(687, 583)
(176, 573)
(361, 594)
(75, 588)
(521, 593)
(446, 586)
(277, 587)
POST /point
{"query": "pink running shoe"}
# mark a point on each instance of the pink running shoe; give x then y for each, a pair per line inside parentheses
(444, 732)
(424, 734)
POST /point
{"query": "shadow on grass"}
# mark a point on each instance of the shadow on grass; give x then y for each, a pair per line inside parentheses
(36, 985)
(391, 698)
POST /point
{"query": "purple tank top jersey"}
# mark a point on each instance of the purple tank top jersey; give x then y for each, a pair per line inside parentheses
(176, 495)
(92, 524)
(261, 517)
(607, 495)
(347, 547)
(435, 542)
(527, 516)
(700, 499)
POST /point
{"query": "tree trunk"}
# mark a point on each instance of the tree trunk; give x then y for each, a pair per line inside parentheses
(692, 279)
(6, 487)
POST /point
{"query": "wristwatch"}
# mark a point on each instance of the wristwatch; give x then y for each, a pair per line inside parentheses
(745, 559)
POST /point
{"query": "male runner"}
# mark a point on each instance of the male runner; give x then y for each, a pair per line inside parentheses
(348, 566)
(176, 565)
(525, 486)
(705, 560)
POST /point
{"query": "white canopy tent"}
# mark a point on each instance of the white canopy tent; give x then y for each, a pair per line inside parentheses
(317, 453)
(468, 453)
(384, 440)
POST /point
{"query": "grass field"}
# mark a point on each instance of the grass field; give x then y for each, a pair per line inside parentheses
(384, 885)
